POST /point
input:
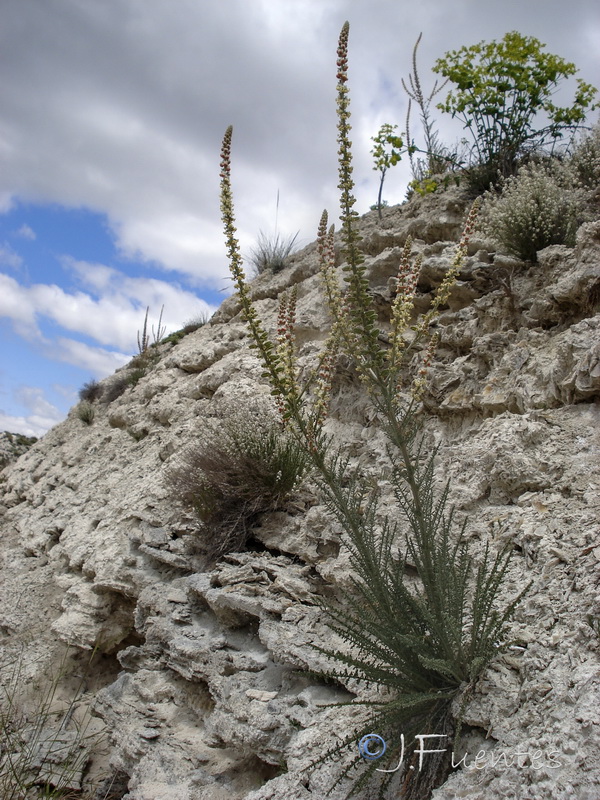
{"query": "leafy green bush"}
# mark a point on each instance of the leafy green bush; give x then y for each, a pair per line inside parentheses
(271, 254)
(536, 208)
(90, 391)
(245, 467)
(85, 412)
(502, 90)
(423, 640)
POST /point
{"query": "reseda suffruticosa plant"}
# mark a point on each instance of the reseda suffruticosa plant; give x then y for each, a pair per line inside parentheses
(502, 91)
(425, 641)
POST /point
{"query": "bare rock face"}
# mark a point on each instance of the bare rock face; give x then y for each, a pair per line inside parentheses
(204, 683)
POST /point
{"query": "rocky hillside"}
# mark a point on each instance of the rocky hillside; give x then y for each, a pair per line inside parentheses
(13, 445)
(197, 671)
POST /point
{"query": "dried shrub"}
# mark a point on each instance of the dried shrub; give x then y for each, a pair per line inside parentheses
(90, 391)
(244, 468)
(535, 209)
(116, 388)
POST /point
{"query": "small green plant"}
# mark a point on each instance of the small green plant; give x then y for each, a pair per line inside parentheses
(174, 338)
(199, 321)
(271, 253)
(85, 412)
(235, 472)
(502, 91)
(422, 641)
(136, 375)
(90, 391)
(386, 154)
(536, 208)
(189, 327)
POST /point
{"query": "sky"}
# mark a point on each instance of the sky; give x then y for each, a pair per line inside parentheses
(112, 114)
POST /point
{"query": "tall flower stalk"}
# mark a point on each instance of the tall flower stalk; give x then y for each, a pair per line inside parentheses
(421, 642)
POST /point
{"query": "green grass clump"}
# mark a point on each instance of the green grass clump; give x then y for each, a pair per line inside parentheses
(271, 254)
(85, 412)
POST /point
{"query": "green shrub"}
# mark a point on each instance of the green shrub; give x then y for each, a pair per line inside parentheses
(423, 639)
(234, 473)
(85, 412)
(90, 391)
(174, 338)
(537, 208)
(502, 90)
(271, 254)
(189, 327)
(136, 375)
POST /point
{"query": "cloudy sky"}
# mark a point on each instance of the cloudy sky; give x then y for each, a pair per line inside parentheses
(111, 118)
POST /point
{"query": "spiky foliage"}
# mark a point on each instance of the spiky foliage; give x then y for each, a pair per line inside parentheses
(245, 467)
(143, 340)
(271, 253)
(421, 640)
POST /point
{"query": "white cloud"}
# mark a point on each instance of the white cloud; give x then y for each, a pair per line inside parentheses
(25, 232)
(95, 360)
(43, 415)
(9, 257)
(112, 319)
(33, 398)
(16, 304)
(123, 107)
(28, 426)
